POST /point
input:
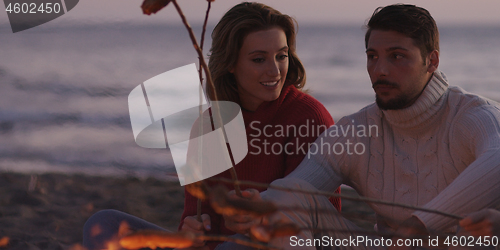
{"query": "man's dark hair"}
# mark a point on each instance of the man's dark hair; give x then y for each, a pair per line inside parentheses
(409, 20)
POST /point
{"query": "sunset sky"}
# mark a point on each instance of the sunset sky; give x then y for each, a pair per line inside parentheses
(311, 11)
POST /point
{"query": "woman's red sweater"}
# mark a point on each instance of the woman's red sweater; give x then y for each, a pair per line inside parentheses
(278, 134)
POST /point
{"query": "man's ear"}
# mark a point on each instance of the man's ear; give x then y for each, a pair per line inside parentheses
(433, 61)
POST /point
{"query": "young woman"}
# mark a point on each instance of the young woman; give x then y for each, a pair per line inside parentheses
(253, 62)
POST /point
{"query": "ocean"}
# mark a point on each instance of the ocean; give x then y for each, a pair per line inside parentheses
(64, 90)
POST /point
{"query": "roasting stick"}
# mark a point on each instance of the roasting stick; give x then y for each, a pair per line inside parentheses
(204, 66)
(198, 201)
(343, 196)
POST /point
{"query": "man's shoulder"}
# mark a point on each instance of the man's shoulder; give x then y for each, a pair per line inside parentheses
(468, 110)
(466, 101)
(369, 113)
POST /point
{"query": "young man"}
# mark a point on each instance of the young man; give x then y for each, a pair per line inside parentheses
(423, 144)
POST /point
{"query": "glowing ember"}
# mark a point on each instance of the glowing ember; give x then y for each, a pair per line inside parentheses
(124, 229)
(4, 241)
(112, 245)
(223, 204)
(260, 233)
(198, 190)
(154, 239)
(266, 232)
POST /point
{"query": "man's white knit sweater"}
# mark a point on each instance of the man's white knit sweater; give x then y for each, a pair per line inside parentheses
(442, 153)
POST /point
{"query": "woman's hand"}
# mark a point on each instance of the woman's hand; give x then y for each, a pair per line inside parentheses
(485, 222)
(192, 224)
(241, 223)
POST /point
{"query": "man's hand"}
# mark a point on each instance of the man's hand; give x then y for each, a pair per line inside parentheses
(241, 223)
(485, 222)
(409, 229)
(191, 224)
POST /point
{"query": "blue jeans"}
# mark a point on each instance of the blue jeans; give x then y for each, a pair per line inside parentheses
(102, 228)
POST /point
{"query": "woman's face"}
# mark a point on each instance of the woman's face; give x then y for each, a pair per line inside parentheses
(261, 68)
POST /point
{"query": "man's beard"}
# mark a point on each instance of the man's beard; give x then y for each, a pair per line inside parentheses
(399, 102)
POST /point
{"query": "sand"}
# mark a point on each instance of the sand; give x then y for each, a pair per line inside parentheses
(48, 211)
(52, 213)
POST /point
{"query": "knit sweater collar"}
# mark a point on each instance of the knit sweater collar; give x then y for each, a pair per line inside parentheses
(424, 107)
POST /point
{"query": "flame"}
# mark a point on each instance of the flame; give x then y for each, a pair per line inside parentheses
(154, 239)
(128, 239)
(113, 243)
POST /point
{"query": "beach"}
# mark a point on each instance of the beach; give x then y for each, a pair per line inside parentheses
(68, 149)
(48, 211)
